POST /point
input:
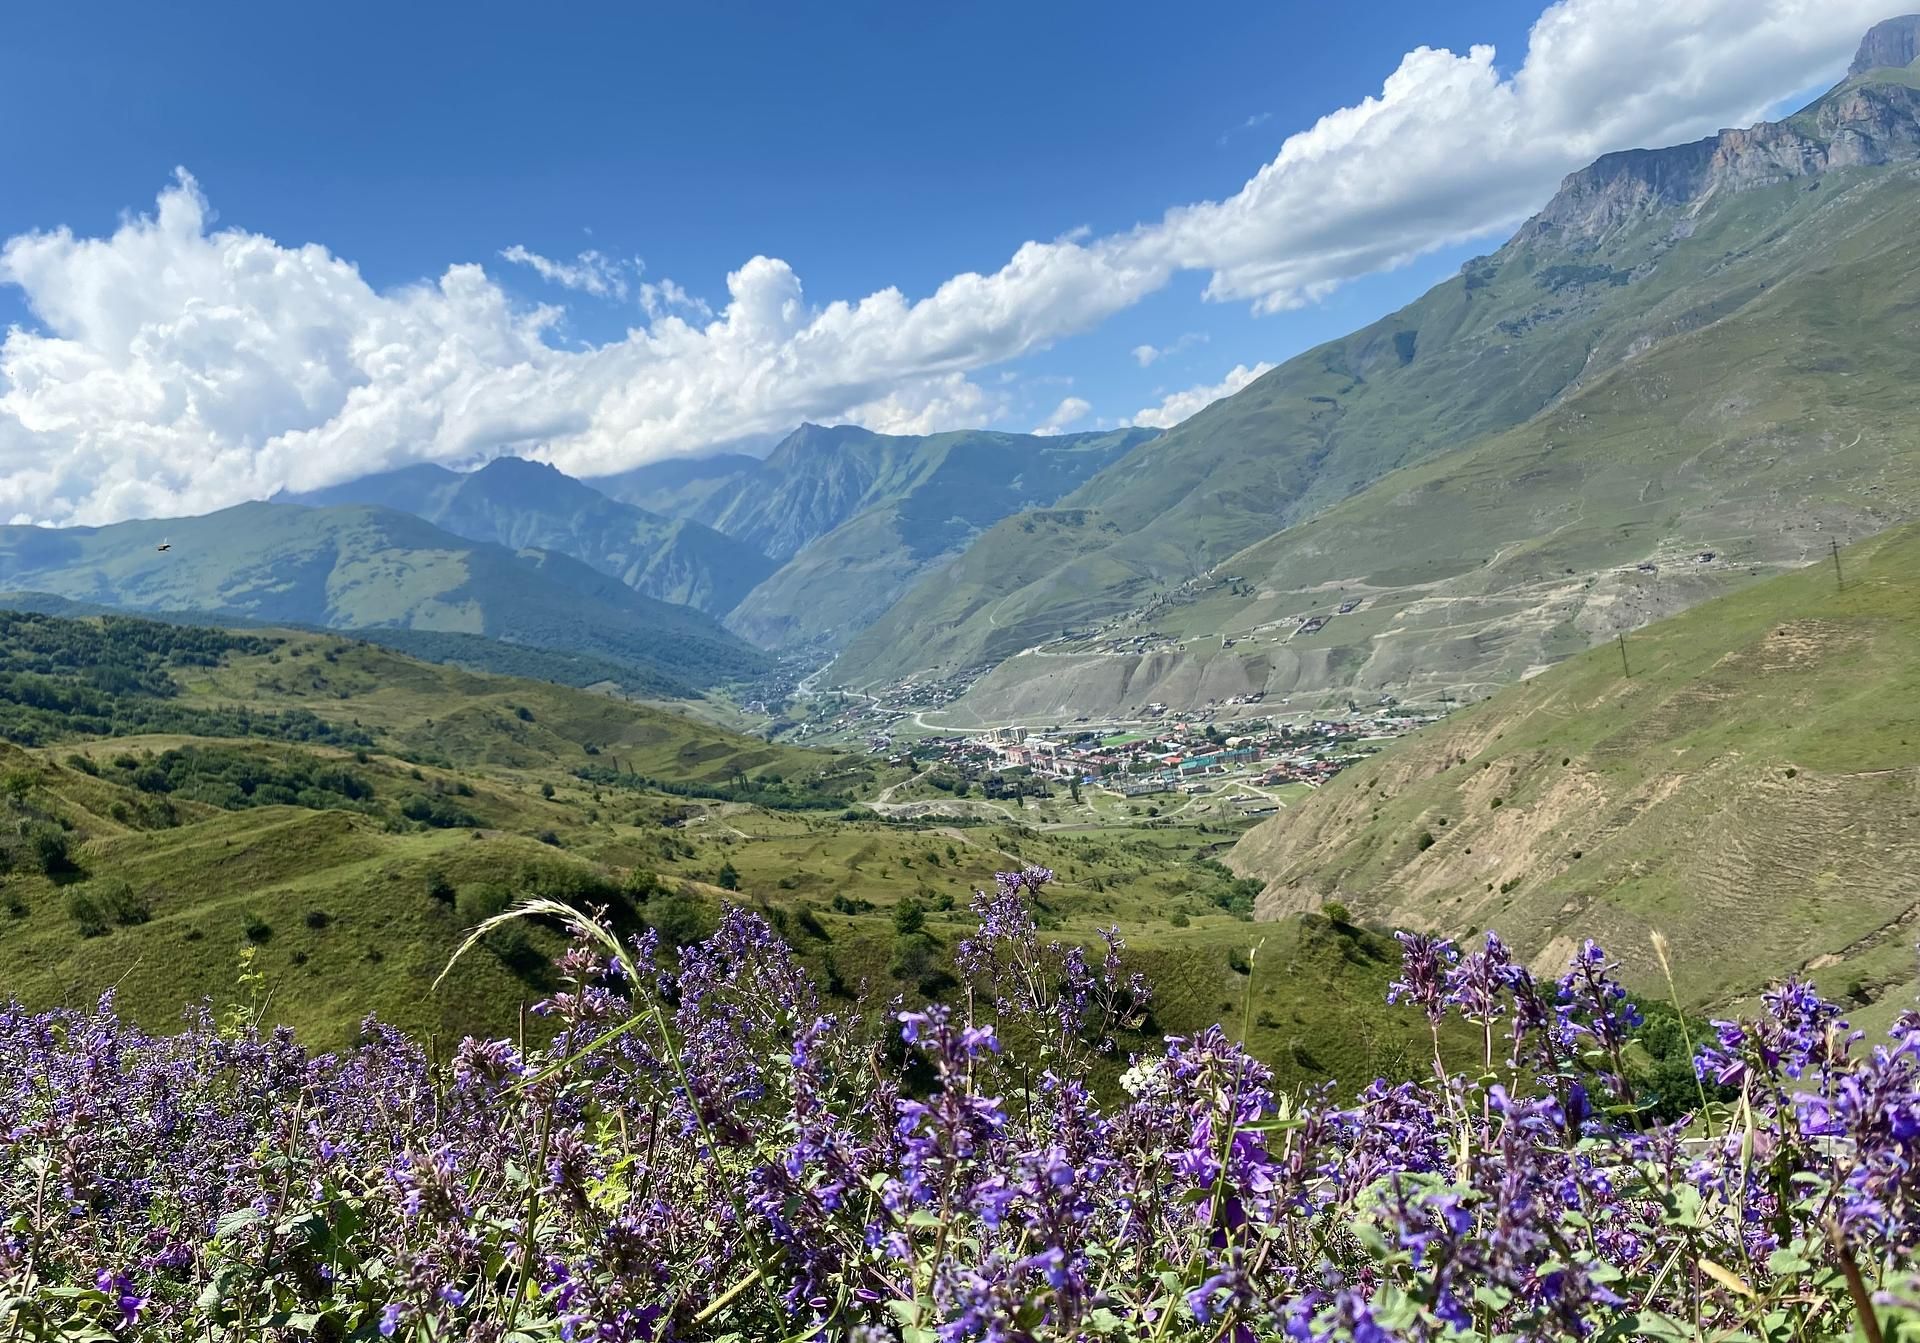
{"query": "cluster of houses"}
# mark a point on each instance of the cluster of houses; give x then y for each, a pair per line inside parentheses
(1184, 755)
(849, 711)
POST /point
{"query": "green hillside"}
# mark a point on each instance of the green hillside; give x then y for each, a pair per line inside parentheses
(175, 796)
(359, 567)
(522, 504)
(1695, 314)
(677, 487)
(1751, 789)
(473, 652)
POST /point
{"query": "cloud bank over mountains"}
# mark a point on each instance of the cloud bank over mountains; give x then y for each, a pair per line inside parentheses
(174, 367)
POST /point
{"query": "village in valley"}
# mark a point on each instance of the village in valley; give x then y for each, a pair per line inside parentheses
(1235, 761)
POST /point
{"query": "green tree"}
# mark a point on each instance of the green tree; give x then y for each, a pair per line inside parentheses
(909, 916)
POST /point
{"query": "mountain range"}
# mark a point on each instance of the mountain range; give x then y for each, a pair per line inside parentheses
(1689, 370)
(522, 504)
(367, 567)
(855, 517)
(1698, 348)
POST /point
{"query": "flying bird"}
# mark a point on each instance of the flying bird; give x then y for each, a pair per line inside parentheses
(164, 546)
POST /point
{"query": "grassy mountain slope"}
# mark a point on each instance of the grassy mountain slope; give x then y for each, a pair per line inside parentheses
(352, 866)
(1639, 253)
(357, 567)
(1759, 438)
(1751, 790)
(945, 487)
(955, 487)
(677, 487)
(854, 516)
(197, 808)
(521, 504)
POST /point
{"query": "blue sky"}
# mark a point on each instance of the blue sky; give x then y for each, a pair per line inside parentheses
(865, 146)
(868, 144)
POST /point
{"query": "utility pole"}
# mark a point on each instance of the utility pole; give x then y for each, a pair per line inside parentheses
(1839, 579)
(1625, 670)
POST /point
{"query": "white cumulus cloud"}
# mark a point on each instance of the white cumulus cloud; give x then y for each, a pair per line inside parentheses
(1068, 413)
(171, 367)
(1452, 148)
(1184, 405)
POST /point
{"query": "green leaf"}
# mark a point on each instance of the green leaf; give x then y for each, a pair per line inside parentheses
(1685, 1209)
(1274, 1125)
(232, 1223)
(1786, 1262)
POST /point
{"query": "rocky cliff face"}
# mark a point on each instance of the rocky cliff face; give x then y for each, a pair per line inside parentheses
(1893, 43)
(1856, 125)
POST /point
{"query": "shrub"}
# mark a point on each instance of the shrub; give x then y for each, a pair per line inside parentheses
(680, 919)
(120, 902)
(1337, 913)
(915, 958)
(1426, 840)
(89, 917)
(257, 929)
(49, 848)
(440, 888)
(437, 813)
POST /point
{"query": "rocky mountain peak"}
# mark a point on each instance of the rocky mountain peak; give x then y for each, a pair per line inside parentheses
(1860, 123)
(1890, 43)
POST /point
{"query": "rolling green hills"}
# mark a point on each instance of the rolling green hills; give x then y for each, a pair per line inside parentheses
(1751, 789)
(521, 504)
(1695, 348)
(343, 815)
(176, 794)
(354, 567)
